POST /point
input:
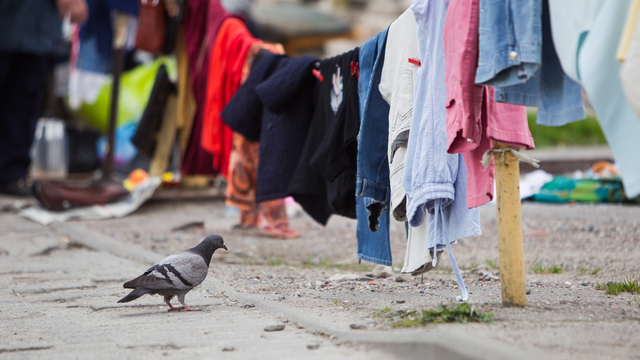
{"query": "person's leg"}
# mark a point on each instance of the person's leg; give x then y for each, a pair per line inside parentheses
(22, 85)
(274, 220)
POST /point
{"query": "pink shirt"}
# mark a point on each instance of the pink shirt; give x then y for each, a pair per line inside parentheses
(474, 119)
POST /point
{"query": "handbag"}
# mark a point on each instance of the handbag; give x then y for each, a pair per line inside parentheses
(151, 31)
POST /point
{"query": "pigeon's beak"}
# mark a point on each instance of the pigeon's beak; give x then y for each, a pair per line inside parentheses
(225, 247)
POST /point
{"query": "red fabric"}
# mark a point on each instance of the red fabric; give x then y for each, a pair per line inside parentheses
(228, 55)
(202, 19)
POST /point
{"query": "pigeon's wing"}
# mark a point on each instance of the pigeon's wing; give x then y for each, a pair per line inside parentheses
(152, 279)
(185, 269)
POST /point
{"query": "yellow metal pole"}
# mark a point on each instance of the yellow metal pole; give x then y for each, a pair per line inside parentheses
(510, 245)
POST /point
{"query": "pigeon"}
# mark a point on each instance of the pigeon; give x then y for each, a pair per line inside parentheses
(176, 274)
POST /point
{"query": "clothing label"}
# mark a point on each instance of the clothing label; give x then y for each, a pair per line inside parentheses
(415, 61)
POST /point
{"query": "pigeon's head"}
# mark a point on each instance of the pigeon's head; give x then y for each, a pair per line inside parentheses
(208, 246)
(213, 242)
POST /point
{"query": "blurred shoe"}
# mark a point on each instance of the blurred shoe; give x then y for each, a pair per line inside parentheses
(16, 188)
(429, 265)
(381, 272)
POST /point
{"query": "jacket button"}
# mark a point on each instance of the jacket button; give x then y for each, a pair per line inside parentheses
(513, 56)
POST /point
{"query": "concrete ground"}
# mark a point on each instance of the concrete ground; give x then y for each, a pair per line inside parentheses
(59, 285)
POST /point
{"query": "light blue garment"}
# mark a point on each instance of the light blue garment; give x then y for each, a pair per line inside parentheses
(598, 70)
(509, 41)
(372, 187)
(435, 181)
(570, 23)
(557, 97)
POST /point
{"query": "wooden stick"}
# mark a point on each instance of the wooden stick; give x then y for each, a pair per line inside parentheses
(510, 243)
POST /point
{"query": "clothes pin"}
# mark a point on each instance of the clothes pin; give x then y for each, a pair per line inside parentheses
(510, 239)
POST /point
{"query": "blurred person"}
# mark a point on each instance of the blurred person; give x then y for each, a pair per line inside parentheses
(30, 31)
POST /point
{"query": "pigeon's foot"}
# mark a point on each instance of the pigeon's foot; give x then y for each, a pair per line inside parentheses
(173, 308)
(187, 308)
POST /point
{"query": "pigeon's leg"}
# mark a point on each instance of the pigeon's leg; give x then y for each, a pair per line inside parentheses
(167, 300)
(186, 307)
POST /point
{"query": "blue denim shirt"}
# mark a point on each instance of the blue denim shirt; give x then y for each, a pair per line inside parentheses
(509, 41)
(557, 97)
(372, 187)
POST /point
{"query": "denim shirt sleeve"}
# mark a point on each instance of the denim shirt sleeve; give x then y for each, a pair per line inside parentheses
(509, 41)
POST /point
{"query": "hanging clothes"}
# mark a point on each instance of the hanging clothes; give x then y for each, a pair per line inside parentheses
(274, 106)
(225, 72)
(510, 40)
(474, 119)
(570, 24)
(186, 105)
(435, 181)
(372, 187)
(201, 19)
(396, 88)
(325, 178)
(557, 97)
(401, 62)
(269, 216)
(596, 41)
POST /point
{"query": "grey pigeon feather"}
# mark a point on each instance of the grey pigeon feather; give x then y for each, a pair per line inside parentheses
(176, 274)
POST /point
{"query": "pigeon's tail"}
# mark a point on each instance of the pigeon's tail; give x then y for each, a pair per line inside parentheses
(134, 295)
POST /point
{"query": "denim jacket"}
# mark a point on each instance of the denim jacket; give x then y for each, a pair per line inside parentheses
(509, 41)
(557, 97)
(373, 167)
(372, 187)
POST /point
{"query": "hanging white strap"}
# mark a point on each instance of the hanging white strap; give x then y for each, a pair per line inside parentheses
(486, 158)
(452, 259)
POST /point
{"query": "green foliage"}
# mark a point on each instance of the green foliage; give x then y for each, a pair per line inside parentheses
(556, 269)
(584, 270)
(615, 288)
(584, 132)
(538, 268)
(492, 264)
(473, 266)
(384, 311)
(635, 300)
(336, 302)
(462, 313)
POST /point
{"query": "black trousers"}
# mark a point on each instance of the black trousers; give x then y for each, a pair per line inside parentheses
(23, 79)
